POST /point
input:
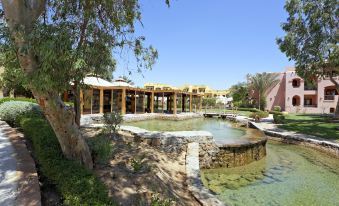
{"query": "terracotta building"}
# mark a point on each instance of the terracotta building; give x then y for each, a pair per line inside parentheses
(295, 95)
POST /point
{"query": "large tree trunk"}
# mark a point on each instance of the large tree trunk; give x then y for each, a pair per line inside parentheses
(23, 14)
(336, 84)
(62, 120)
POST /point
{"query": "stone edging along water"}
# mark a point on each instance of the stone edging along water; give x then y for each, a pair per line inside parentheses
(194, 183)
(322, 145)
(97, 118)
(28, 189)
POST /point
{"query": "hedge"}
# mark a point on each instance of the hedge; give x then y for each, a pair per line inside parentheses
(248, 109)
(76, 184)
(12, 111)
(22, 99)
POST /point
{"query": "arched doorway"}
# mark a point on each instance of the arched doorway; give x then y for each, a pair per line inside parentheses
(296, 100)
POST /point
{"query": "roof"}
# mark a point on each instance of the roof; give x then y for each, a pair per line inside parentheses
(98, 82)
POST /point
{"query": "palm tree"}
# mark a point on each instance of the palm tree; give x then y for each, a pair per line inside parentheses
(126, 79)
(262, 83)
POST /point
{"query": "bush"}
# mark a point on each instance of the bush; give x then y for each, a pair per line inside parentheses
(12, 111)
(258, 115)
(21, 99)
(249, 109)
(276, 112)
(77, 185)
(279, 119)
(101, 148)
(112, 122)
(277, 108)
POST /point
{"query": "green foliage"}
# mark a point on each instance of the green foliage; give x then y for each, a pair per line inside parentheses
(112, 122)
(311, 39)
(261, 83)
(278, 118)
(138, 163)
(209, 101)
(101, 148)
(77, 185)
(21, 99)
(259, 115)
(275, 112)
(277, 108)
(239, 93)
(248, 109)
(13, 111)
(72, 39)
(156, 200)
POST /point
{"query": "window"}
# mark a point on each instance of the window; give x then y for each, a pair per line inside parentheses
(296, 82)
(296, 101)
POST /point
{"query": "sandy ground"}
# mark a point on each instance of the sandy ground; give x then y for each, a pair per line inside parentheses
(8, 180)
(154, 173)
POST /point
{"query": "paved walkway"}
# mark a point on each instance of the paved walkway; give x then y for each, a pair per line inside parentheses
(8, 177)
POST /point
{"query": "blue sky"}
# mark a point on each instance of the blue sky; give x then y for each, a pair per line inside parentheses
(214, 42)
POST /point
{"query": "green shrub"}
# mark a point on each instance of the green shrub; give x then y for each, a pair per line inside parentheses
(156, 200)
(12, 111)
(101, 148)
(277, 108)
(276, 112)
(21, 99)
(112, 122)
(279, 118)
(249, 109)
(76, 184)
(258, 115)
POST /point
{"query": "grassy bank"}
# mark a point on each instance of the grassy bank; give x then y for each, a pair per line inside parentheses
(317, 125)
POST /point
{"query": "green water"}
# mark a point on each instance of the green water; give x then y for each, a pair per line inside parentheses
(224, 132)
(289, 175)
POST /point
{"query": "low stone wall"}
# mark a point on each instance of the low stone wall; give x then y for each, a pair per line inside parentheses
(300, 139)
(98, 118)
(234, 155)
(194, 183)
(211, 155)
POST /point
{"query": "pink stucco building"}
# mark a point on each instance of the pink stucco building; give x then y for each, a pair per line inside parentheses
(294, 95)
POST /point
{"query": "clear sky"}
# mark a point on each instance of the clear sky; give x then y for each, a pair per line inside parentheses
(214, 42)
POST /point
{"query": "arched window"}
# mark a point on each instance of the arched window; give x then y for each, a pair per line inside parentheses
(296, 101)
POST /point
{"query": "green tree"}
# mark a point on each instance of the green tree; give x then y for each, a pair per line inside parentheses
(261, 83)
(58, 42)
(311, 39)
(239, 93)
(127, 79)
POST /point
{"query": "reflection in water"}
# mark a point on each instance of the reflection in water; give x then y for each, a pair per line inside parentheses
(289, 175)
(224, 132)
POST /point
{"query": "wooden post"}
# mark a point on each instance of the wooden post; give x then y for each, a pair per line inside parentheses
(200, 104)
(101, 101)
(175, 103)
(152, 102)
(81, 102)
(111, 100)
(191, 102)
(135, 102)
(143, 102)
(123, 102)
(92, 101)
(163, 99)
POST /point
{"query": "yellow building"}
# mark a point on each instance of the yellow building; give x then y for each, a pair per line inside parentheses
(203, 90)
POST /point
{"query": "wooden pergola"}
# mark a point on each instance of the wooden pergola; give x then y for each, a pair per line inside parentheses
(131, 100)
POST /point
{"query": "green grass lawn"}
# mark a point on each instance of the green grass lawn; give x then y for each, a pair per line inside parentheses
(317, 125)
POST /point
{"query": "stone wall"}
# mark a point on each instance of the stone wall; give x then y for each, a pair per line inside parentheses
(211, 155)
(238, 154)
(98, 118)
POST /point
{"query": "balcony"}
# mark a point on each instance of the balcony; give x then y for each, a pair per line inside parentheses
(310, 87)
(329, 97)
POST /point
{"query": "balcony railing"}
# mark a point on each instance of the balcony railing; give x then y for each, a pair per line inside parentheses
(329, 97)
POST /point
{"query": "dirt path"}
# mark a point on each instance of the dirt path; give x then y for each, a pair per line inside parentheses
(139, 174)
